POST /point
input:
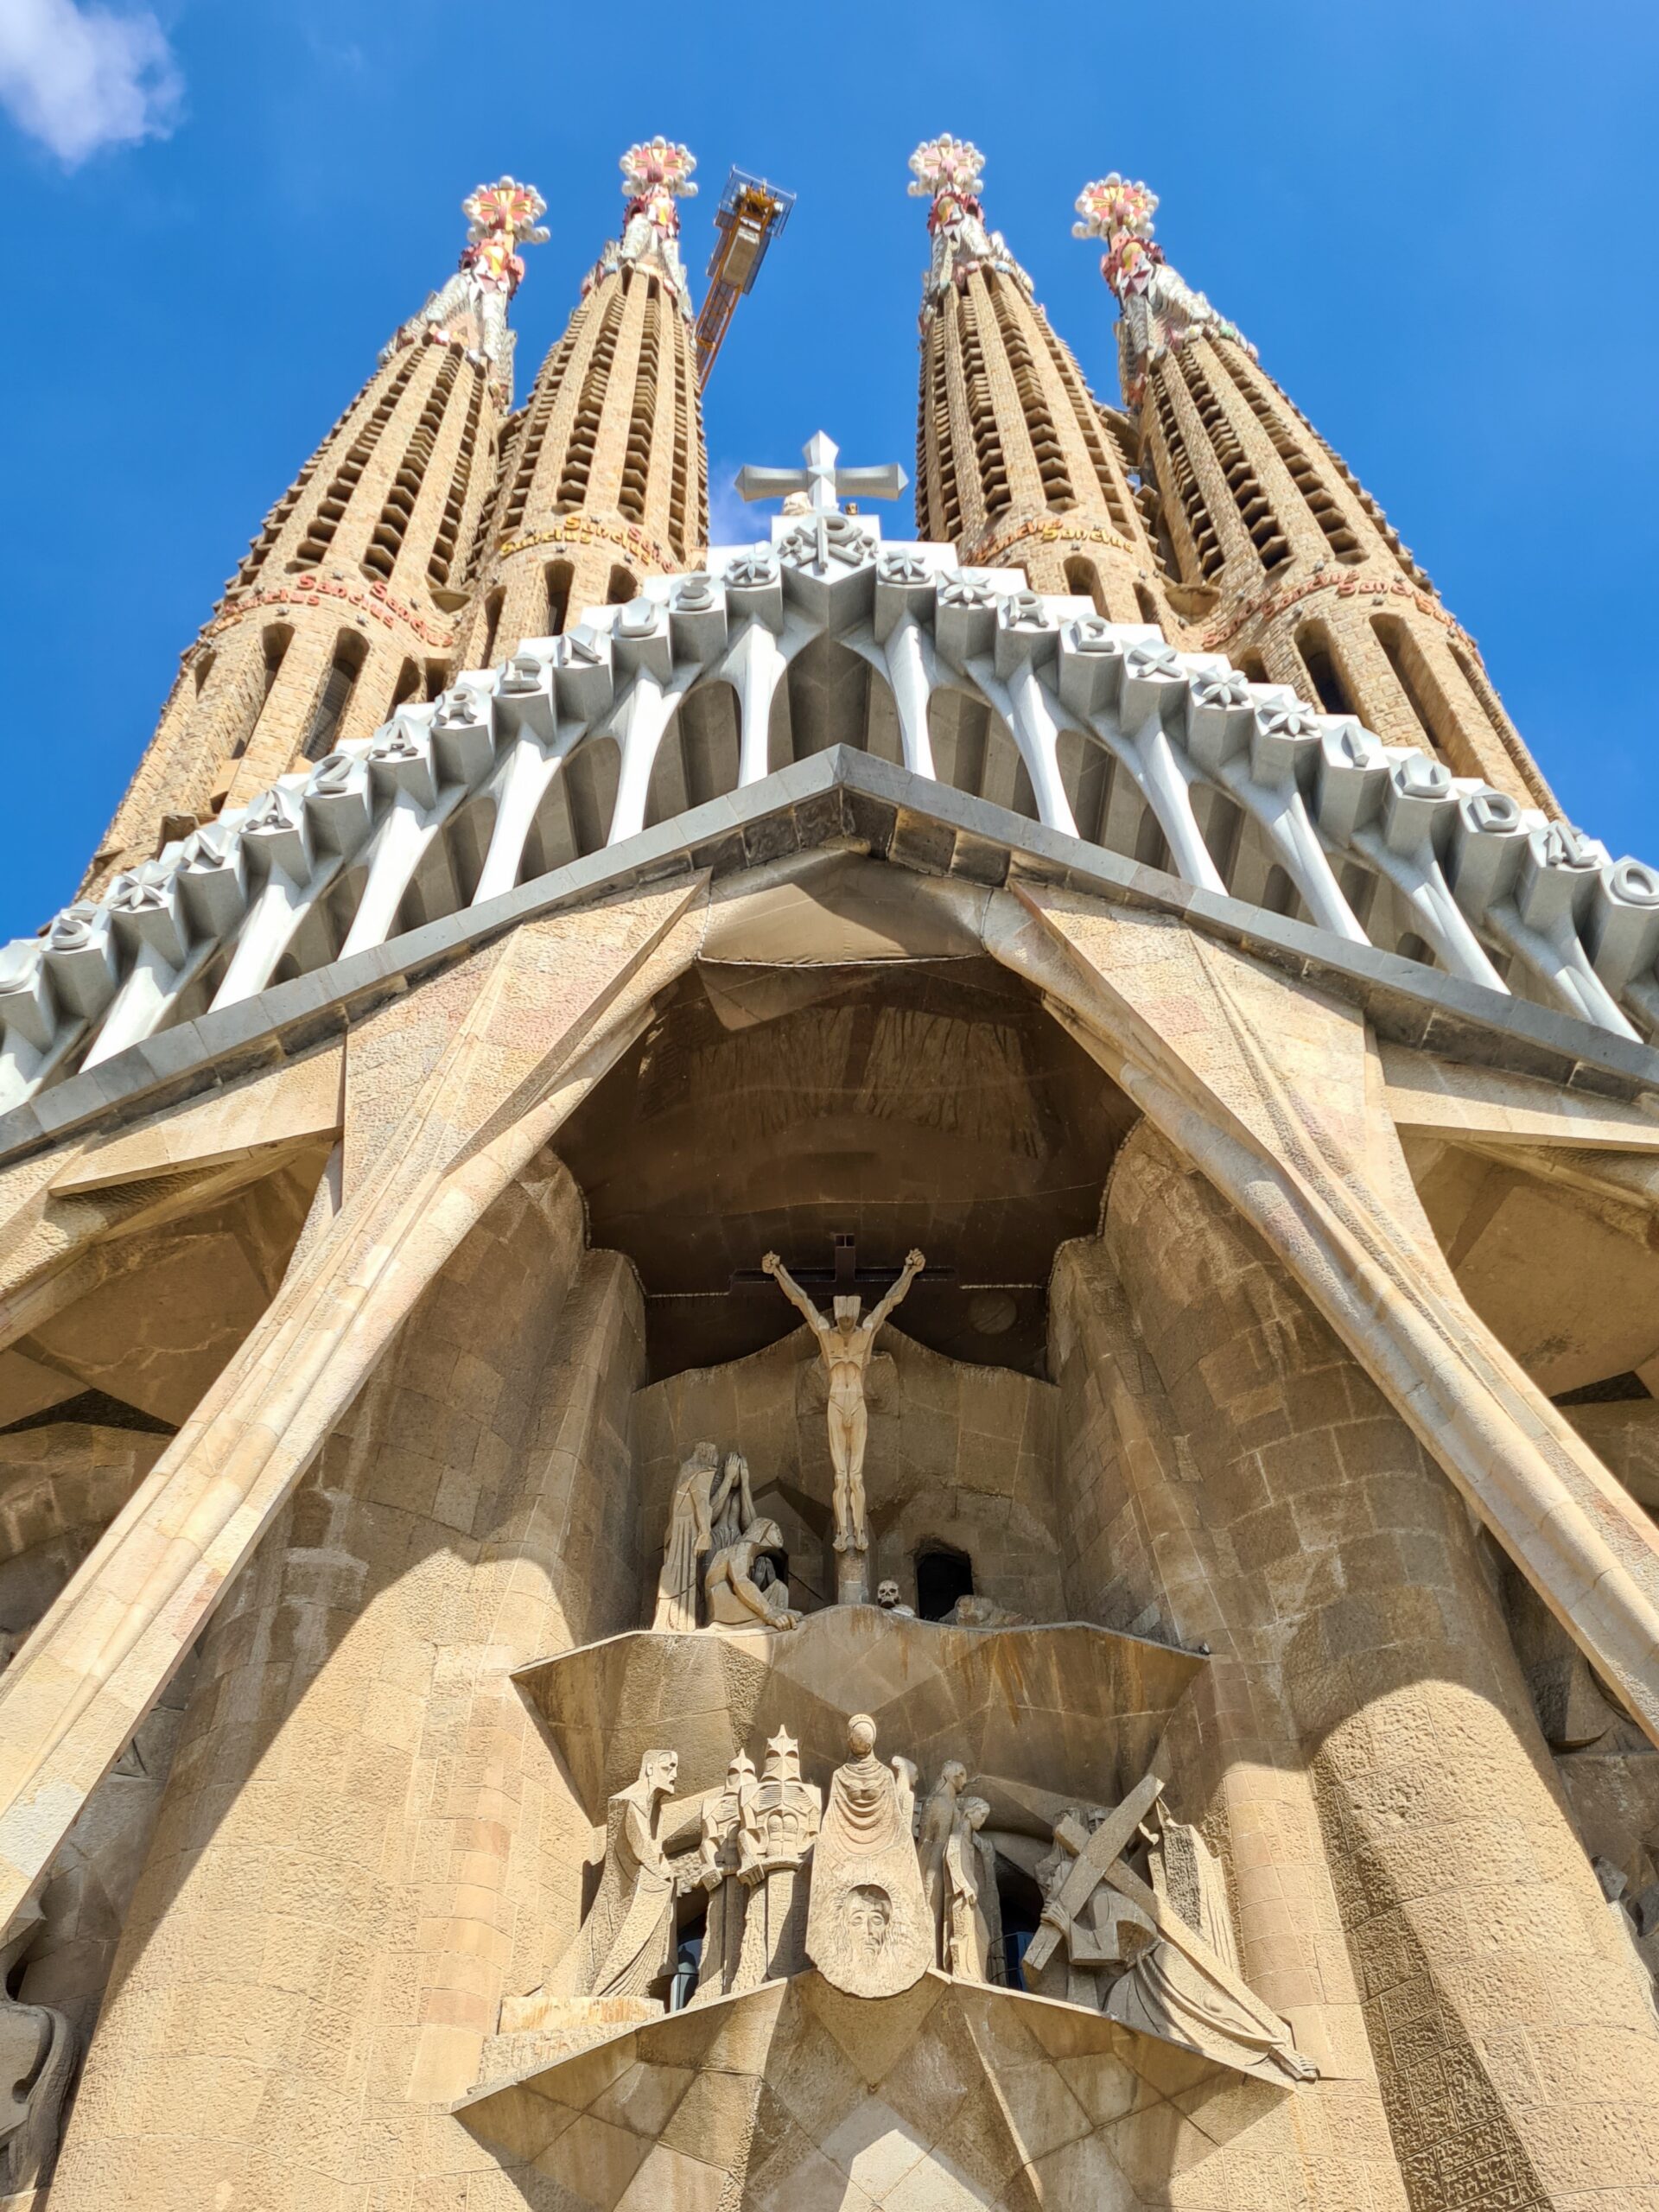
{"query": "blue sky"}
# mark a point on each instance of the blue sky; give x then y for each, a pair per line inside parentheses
(1435, 220)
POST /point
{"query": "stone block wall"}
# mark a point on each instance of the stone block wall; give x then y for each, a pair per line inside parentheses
(1370, 1743)
(365, 1840)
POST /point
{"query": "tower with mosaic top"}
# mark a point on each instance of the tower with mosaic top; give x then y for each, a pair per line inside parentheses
(829, 1365)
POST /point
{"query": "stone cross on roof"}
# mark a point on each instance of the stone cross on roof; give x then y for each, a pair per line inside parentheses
(822, 481)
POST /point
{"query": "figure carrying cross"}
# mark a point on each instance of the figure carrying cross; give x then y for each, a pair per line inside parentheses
(823, 482)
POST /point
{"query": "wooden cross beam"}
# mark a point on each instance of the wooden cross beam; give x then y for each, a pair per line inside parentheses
(843, 1277)
(1093, 1864)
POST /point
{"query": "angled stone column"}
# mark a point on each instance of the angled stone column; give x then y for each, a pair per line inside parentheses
(365, 1840)
(478, 1108)
(1517, 2058)
(1143, 1534)
(1274, 1093)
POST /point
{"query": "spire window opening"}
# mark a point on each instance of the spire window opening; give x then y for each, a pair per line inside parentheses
(1314, 642)
(1405, 659)
(201, 670)
(441, 561)
(681, 466)
(1033, 400)
(537, 415)
(1252, 668)
(996, 498)
(1149, 606)
(320, 534)
(335, 697)
(1087, 413)
(409, 685)
(259, 548)
(584, 431)
(1260, 396)
(437, 680)
(622, 588)
(1201, 533)
(558, 578)
(635, 488)
(1255, 511)
(386, 542)
(935, 453)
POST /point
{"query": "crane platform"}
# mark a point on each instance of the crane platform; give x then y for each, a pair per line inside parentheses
(750, 215)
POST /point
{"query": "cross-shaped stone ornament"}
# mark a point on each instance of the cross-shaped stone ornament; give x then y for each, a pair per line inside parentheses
(824, 483)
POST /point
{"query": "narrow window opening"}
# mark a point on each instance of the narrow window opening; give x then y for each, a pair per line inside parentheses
(1020, 1906)
(437, 678)
(203, 670)
(688, 1960)
(409, 683)
(621, 589)
(1332, 693)
(1404, 660)
(558, 577)
(274, 642)
(942, 1575)
(1253, 668)
(335, 697)
(1083, 581)
(1149, 606)
(492, 623)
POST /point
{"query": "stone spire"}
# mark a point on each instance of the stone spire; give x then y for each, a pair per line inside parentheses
(1018, 465)
(607, 478)
(347, 600)
(1275, 555)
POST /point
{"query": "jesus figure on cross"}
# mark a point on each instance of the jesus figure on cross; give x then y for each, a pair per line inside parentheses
(845, 1345)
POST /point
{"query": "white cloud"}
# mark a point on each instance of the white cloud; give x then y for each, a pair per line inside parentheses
(80, 79)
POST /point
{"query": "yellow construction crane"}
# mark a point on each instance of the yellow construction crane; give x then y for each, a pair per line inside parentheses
(750, 215)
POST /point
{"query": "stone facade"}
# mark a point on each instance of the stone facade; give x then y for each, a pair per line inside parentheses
(759, 1449)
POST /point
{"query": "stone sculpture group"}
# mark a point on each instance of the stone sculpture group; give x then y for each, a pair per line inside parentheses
(873, 1885)
(715, 1537)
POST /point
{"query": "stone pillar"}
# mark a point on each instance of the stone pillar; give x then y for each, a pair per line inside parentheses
(1518, 2063)
(1143, 1558)
(365, 1840)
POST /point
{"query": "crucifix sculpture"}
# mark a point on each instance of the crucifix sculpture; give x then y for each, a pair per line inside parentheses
(824, 483)
(845, 1345)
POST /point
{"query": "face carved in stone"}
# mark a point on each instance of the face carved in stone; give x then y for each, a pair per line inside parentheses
(887, 1595)
(868, 1911)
